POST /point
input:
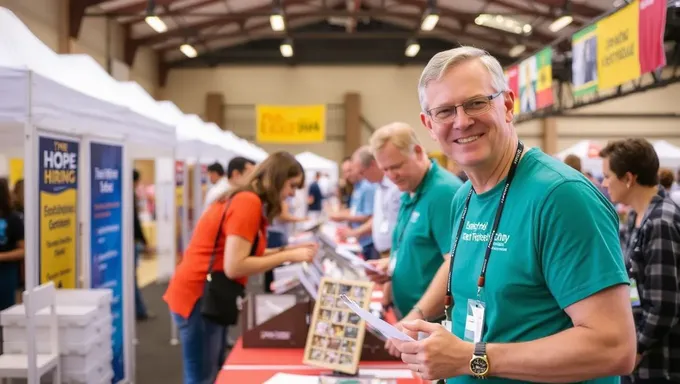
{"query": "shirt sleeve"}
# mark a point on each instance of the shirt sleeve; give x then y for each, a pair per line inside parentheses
(244, 216)
(578, 243)
(369, 199)
(661, 283)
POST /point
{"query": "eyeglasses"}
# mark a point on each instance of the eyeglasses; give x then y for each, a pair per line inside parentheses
(473, 107)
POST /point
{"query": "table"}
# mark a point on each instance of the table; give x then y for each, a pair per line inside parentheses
(257, 365)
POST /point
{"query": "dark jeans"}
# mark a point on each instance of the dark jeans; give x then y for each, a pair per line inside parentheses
(203, 346)
(275, 239)
(140, 307)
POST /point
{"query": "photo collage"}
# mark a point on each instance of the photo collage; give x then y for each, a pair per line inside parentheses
(336, 333)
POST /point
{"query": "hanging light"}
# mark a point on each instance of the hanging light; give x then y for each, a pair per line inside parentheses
(188, 50)
(286, 48)
(154, 21)
(412, 48)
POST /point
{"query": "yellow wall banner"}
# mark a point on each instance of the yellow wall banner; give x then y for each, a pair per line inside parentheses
(617, 52)
(291, 124)
(58, 175)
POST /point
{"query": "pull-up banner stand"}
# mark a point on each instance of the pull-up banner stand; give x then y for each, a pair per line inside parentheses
(58, 217)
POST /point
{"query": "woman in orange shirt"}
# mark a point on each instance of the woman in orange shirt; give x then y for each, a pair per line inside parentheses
(249, 208)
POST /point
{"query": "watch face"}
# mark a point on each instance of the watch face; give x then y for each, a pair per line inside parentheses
(479, 365)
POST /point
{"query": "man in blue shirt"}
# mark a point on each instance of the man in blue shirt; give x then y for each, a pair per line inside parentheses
(360, 210)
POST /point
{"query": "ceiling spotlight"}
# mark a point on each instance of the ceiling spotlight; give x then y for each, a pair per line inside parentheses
(276, 21)
(188, 50)
(286, 48)
(560, 23)
(412, 48)
(517, 50)
(430, 20)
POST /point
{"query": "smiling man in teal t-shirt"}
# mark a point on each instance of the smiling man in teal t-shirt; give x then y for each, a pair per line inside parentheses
(547, 300)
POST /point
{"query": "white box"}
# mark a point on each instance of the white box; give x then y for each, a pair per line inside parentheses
(67, 316)
(79, 297)
(69, 336)
(93, 374)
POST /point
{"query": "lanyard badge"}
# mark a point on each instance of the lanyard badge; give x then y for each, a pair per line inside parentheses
(476, 308)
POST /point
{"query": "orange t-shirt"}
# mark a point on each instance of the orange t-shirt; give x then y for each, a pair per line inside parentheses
(244, 218)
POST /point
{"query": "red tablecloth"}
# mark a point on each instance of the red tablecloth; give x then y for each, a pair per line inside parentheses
(256, 365)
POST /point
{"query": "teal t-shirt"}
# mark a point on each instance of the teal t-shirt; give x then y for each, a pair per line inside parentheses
(557, 243)
(422, 235)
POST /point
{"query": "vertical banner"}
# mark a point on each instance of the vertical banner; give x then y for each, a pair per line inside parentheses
(58, 184)
(584, 61)
(16, 171)
(617, 52)
(511, 77)
(544, 89)
(106, 245)
(527, 85)
(179, 205)
(651, 33)
(291, 124)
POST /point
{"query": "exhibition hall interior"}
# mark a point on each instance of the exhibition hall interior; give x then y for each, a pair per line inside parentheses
(339, 191)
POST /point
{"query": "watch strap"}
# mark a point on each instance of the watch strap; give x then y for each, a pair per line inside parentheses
(480, 349)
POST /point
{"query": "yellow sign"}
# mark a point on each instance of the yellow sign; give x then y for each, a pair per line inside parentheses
(58, 185)
(16, 171)
(291, 124)
(617, 52)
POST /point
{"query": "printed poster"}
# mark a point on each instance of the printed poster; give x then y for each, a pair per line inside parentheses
(544, 89)
(617, 53)
(286, 124)
(584, 61)
(58, 185)
(106, 245)
(512, 79)
(527, 85)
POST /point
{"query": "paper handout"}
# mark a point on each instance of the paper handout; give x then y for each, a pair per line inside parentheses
(385, 328)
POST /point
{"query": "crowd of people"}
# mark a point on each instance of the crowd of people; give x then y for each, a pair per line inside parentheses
(512, 265)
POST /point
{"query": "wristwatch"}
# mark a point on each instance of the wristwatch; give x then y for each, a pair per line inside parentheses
(479, 364)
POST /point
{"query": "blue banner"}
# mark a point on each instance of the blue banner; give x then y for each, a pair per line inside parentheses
(106, 245)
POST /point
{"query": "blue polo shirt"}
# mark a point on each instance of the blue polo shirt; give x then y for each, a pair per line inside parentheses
(362, 205)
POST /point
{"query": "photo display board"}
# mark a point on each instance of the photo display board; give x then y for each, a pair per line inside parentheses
(336, 334)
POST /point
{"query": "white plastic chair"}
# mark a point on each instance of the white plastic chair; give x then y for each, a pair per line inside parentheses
(32, 366)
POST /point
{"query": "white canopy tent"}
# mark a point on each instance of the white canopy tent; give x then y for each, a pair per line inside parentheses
(669, 154)
(588, 151)
(41, 97)
(313, 163)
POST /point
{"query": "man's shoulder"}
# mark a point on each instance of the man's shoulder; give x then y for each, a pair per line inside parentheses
(444, 183)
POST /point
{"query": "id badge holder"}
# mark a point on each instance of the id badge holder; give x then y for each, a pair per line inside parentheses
(393, 263)
(474, 320)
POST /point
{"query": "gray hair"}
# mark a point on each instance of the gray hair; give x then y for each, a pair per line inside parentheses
(440, 63)
(364, 156)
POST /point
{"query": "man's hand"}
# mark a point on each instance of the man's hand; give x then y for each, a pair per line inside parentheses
(439, 356)
(381, 265)
(389, 345)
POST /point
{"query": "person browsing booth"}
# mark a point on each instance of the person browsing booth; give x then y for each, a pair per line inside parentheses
(232, 230)
(537, 289)
(422, 234)
(386, 203)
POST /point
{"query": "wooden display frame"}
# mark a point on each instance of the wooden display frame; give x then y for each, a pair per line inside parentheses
(331, 346)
